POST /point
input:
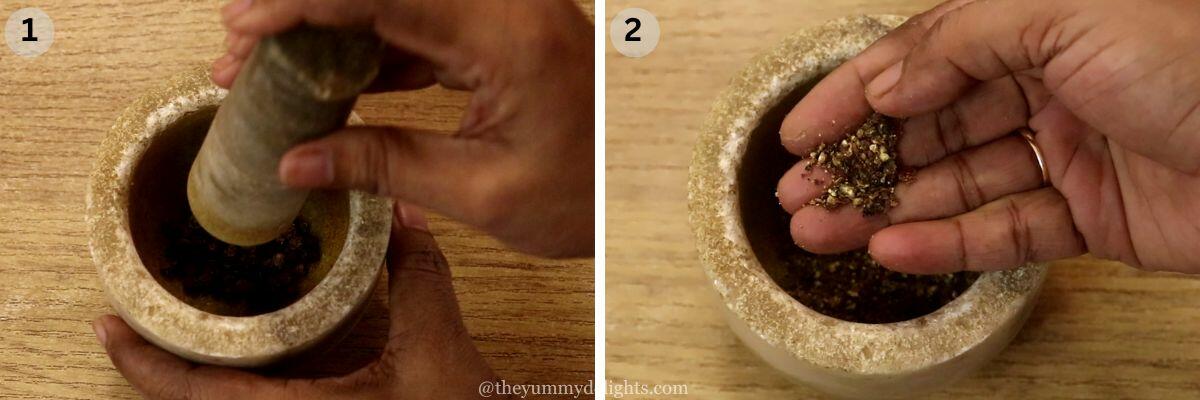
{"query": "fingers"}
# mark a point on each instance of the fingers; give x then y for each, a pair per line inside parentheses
(954, 185)
(836, 104)
(263, 17)
(823, 231)
(237, 49)
(1026, 227)
(420, 292)
(424, 310)
(967, 180)
(157, 374)
(396, 71)
(978, 42)
(239, 45)
(423, 168)
(800, 184)
(991, 110)
(399, 70)
(1105, 79)
(412, 248)
(428, 341)
(426, 28)
(224, 70)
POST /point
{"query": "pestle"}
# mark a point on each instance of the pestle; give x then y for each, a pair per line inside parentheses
(295, 86)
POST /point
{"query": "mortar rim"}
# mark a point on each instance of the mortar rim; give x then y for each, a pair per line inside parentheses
(168, 321)
(753, 297)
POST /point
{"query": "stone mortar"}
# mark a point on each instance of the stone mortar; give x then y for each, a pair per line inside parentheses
(845, 359)
(317, 319)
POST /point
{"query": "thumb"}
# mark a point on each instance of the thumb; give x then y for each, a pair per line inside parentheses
(428, 340)
(425, 168)
(980, 41)
(157, 374)
(420, 291)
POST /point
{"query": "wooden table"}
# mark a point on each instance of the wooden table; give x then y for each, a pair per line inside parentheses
(531, 318)
(1101, 330)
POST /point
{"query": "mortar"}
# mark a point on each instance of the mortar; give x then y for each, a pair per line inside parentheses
(139, 182)
(737, 162)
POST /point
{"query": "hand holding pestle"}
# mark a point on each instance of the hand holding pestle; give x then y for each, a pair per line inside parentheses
(295, 86)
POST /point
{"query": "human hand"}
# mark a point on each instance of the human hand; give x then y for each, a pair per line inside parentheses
(1112, 91)
(429, 354)
(521, 165)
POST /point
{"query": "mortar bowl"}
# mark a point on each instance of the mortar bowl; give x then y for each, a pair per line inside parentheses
(736, 164)
(139, 183)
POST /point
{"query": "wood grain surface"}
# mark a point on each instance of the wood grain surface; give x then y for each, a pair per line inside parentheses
(1101, 331)
(531, 318)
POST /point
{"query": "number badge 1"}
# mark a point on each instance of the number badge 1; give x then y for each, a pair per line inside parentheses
(29, 32)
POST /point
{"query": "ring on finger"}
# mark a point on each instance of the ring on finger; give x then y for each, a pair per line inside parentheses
(1037, 153)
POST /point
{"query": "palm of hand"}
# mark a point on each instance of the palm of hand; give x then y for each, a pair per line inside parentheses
(1126, 206)
(1110, 91)
(1125, 159)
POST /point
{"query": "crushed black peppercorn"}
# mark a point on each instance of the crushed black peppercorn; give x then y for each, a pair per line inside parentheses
(864, 170)
(863, 166)
(248, 280)
(853, 287)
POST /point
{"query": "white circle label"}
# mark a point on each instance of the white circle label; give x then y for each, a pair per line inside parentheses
(634, 32)
(29, 32)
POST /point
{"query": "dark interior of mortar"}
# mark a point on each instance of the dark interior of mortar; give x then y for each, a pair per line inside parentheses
(208, 274)
(848, 286)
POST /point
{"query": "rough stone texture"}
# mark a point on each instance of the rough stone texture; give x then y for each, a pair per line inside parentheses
(984, 318)
(182, 329)
(293, 87)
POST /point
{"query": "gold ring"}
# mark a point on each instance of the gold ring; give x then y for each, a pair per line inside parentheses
(1037, 153)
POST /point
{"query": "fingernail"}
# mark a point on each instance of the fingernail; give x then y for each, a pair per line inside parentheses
(790, 137)
(413, 218)
(307, 167)
(235, 8)
(101, 333)
(884, 83)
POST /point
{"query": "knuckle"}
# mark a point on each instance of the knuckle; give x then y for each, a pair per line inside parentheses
(938, 27)
(949, 129)
(1021, 241)
(425, 259)
(942, 36)
(364, 163)
(924, 21)
(970, 193)
(966, 257)
(494, 198)
(378, 165)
